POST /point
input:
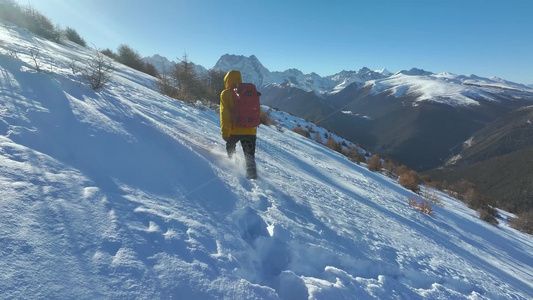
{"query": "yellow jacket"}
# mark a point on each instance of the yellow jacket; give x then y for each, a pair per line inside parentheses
(231, 80)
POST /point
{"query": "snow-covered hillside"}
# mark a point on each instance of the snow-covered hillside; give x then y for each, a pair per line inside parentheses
(447, 88)
(123, 193)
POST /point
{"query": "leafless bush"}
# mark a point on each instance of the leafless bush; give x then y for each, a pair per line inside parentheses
(301, 131)
(423, 206)
(10, 52)
(430, 195)
(390, 166)
(266, 119)
(37, 63)
(523, 222)
(167, 85)
(354, 155)
(334, 145)
(488, 214)
(97, 70)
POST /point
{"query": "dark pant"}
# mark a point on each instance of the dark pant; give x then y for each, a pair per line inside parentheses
(248, 147)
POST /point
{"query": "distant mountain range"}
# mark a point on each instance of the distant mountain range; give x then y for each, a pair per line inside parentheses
(446, 88)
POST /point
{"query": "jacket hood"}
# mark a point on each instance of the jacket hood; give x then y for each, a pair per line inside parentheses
(232, 78)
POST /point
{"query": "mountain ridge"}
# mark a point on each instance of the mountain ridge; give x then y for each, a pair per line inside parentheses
(464, 89)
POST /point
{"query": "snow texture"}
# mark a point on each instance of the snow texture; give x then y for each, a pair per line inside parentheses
(122, 193)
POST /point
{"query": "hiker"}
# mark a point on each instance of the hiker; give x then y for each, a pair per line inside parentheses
(231, 131)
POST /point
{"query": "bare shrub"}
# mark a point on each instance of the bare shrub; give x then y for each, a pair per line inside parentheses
(354, 155)
(266, 119)
(413, 201)
(461, 188)
(167, 85)
(401, 169)
(390, 167)
(523, 222)
(334, 145)
(374, 163)
(409, 181)
(473, 198)
(150, 69)
(426, 207)
(35, 57)
(97, 72)
(301, 131)
(423, 206)
(430, 195)
(436, 185)
(488, 214)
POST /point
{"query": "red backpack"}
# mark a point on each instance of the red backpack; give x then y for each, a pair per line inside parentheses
(246, 110)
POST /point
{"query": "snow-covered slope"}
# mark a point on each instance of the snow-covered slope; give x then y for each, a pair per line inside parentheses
(447, 88)
(123, 193)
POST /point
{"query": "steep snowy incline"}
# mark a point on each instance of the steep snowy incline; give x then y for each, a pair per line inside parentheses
(123, 193)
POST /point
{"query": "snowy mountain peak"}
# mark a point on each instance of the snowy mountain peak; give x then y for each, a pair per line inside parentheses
(450, 89)
(385, 72)
(250, 67)
(415, 72)
(161, 63)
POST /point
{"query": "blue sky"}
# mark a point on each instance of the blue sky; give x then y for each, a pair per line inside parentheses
(482, 37)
